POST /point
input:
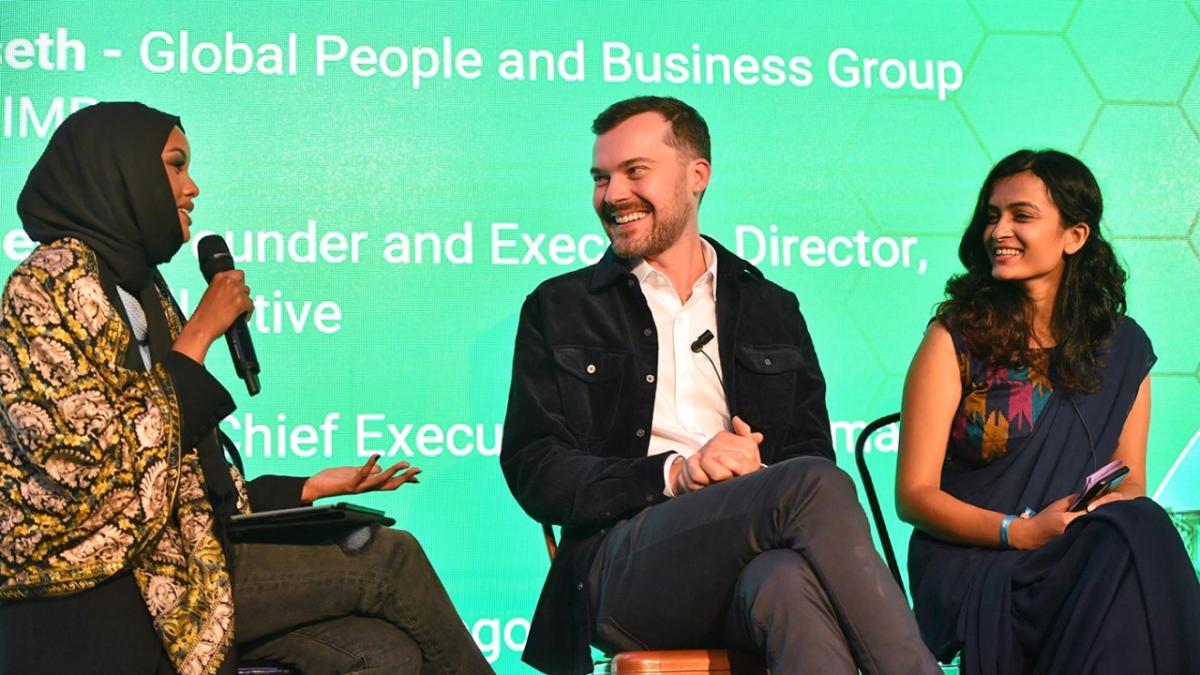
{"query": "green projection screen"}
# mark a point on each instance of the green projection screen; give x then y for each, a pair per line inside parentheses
(395, 177)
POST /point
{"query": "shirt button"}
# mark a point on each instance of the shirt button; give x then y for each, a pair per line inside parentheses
(650, 378)
(640, 433)
(648, 332)
(591, 368)
(766, 362)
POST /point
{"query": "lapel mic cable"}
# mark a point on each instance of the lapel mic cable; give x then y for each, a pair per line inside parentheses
(698, 348)
(1086, 430)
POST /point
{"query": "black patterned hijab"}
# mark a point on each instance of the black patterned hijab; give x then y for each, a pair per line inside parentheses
(101, 180)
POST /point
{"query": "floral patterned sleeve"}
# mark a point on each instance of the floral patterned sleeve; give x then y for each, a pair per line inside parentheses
(90, 453)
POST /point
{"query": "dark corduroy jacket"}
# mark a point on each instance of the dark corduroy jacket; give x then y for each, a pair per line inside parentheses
(581, 405)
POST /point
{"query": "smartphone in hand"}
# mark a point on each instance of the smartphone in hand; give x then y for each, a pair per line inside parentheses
(1100, 483)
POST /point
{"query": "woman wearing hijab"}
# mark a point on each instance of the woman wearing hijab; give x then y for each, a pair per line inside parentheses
(114, 490)
(1030, 377)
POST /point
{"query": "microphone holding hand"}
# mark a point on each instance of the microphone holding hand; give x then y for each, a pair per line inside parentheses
(222, 310)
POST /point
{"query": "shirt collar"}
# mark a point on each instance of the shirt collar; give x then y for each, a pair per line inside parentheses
(707, 282)
(613, 268)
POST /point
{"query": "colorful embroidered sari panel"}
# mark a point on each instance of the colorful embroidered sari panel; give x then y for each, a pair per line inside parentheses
(1000, 405)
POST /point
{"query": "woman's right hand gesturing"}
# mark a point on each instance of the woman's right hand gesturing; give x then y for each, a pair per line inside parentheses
(226, 298)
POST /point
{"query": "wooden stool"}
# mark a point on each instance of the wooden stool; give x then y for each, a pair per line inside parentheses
(674, 661)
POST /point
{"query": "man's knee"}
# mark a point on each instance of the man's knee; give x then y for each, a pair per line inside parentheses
(815, 478)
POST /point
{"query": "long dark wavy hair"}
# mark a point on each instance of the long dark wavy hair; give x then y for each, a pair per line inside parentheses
(995, 316)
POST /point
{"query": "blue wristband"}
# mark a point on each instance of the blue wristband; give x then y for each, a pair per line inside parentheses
(1004, 531)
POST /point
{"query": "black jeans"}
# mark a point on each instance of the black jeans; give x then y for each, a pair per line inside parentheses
(778, 562)
(381, 609)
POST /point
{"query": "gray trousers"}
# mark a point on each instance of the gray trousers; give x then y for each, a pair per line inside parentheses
(381, 609)
(778, 562)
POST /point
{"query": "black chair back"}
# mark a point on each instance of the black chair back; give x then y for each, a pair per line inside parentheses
(860, 459)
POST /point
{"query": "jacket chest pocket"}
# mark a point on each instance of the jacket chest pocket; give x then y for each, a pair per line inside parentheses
(766, 384)
(589, 381)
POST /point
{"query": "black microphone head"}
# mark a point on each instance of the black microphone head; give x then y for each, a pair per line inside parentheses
(214, 256)
(704, 339)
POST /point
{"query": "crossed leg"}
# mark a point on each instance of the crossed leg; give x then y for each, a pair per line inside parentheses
(687, 574)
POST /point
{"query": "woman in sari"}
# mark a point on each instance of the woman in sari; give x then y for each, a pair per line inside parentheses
(114, 489)
(1029, 378)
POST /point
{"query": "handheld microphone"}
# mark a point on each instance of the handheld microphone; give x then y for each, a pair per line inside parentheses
(215, 258)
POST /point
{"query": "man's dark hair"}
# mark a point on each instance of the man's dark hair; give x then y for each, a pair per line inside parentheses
(689, 131)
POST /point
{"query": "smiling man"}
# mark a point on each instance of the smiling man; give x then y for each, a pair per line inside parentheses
(667, 410)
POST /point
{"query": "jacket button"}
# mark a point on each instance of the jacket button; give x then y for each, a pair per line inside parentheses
(650, 378)
(579, 587)
(649, 499)
(648, 332)
(640, 433)
(591, 368)
(766, 362)
(629, 282)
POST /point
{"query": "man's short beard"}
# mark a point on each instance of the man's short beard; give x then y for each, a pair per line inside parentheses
(661, 237)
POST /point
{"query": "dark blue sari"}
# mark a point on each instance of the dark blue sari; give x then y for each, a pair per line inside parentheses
(1115, 593)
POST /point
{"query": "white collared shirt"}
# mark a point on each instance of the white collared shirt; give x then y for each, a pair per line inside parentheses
(689, 401)
(137, 324)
